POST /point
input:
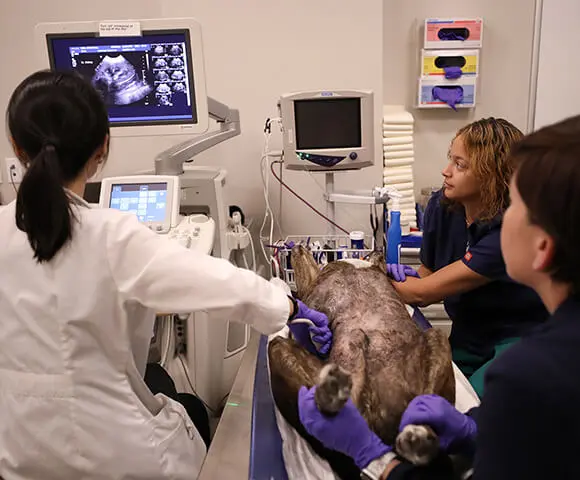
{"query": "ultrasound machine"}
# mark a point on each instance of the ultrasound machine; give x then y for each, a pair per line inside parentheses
(151, 76)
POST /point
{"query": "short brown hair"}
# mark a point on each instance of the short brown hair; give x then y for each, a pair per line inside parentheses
(548, 180)
(488, 144)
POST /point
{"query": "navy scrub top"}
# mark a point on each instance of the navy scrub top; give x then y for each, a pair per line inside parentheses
(528, 421)
(488, 314)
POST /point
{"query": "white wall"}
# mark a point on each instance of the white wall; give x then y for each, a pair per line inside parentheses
(257, 49)
(505, 70)
(254, 51)
(558, 69)
(17, 22)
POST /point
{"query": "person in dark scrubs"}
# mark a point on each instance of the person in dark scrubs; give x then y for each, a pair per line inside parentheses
(461, 257)
(528, 422)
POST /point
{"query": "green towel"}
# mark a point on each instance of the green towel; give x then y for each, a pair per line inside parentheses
(474, 366)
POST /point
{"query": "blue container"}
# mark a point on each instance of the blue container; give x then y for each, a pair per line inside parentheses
(357, 242)
(394, 238)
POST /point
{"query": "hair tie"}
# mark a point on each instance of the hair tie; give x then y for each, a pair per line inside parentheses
(48, 146)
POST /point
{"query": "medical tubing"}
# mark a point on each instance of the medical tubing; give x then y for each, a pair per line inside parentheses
(302, 199)
(323, 190)
(266, 190)
(184, 368)
(254, 263)
(268, 212)
(265, 184)
(280, 197)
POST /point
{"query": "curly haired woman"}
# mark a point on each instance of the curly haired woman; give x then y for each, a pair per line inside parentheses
(461, 257)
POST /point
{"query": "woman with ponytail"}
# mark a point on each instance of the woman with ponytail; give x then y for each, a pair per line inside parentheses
(79, 288)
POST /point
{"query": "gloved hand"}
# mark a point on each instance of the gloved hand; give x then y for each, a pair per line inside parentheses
(314, 335)
(456, 431)
(346, 432)
(399, 272)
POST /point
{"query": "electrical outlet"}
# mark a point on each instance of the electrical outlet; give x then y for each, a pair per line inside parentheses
(13, 171)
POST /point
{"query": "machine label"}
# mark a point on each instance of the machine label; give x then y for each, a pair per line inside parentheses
(120, 29)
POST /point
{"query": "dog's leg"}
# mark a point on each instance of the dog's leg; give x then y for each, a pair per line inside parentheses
(440, 376)
(292, 367)
(336, 385)
(306, 270)
(333, 389)
(418, 444)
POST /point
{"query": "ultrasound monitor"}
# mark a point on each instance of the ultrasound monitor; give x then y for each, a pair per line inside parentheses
(328, 130)
(152, 80)
(153, 199)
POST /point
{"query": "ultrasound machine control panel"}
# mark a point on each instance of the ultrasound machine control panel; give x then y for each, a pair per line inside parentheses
(154, 199)
(195, 232)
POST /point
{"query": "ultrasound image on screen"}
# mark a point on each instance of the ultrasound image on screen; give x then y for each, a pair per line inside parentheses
(142, 80)
(120, 79)
(169, 74)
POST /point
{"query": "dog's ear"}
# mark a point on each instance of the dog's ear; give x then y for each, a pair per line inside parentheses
(378, 260)
(306, 270)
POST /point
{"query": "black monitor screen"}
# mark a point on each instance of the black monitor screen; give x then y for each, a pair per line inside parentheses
(328, 123)
(146, 80)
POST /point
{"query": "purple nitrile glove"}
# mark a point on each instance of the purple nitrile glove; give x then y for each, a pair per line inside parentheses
(346, 432)
(451, 73)
(456, 431)
(444, 34)
(449, 95)
(314, 335)
(399, 272)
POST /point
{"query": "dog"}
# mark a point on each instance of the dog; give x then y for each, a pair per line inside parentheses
(380, 358)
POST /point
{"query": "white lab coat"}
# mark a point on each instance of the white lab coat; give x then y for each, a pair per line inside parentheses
(74, 338)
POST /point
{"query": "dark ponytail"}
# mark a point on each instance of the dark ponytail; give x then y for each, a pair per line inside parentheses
(57, 122)
(42, 206)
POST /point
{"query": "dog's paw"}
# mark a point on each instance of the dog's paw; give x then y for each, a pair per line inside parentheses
(333, 391)
(418, 444)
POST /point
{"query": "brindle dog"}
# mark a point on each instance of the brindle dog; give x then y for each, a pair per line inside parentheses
(379, 357)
